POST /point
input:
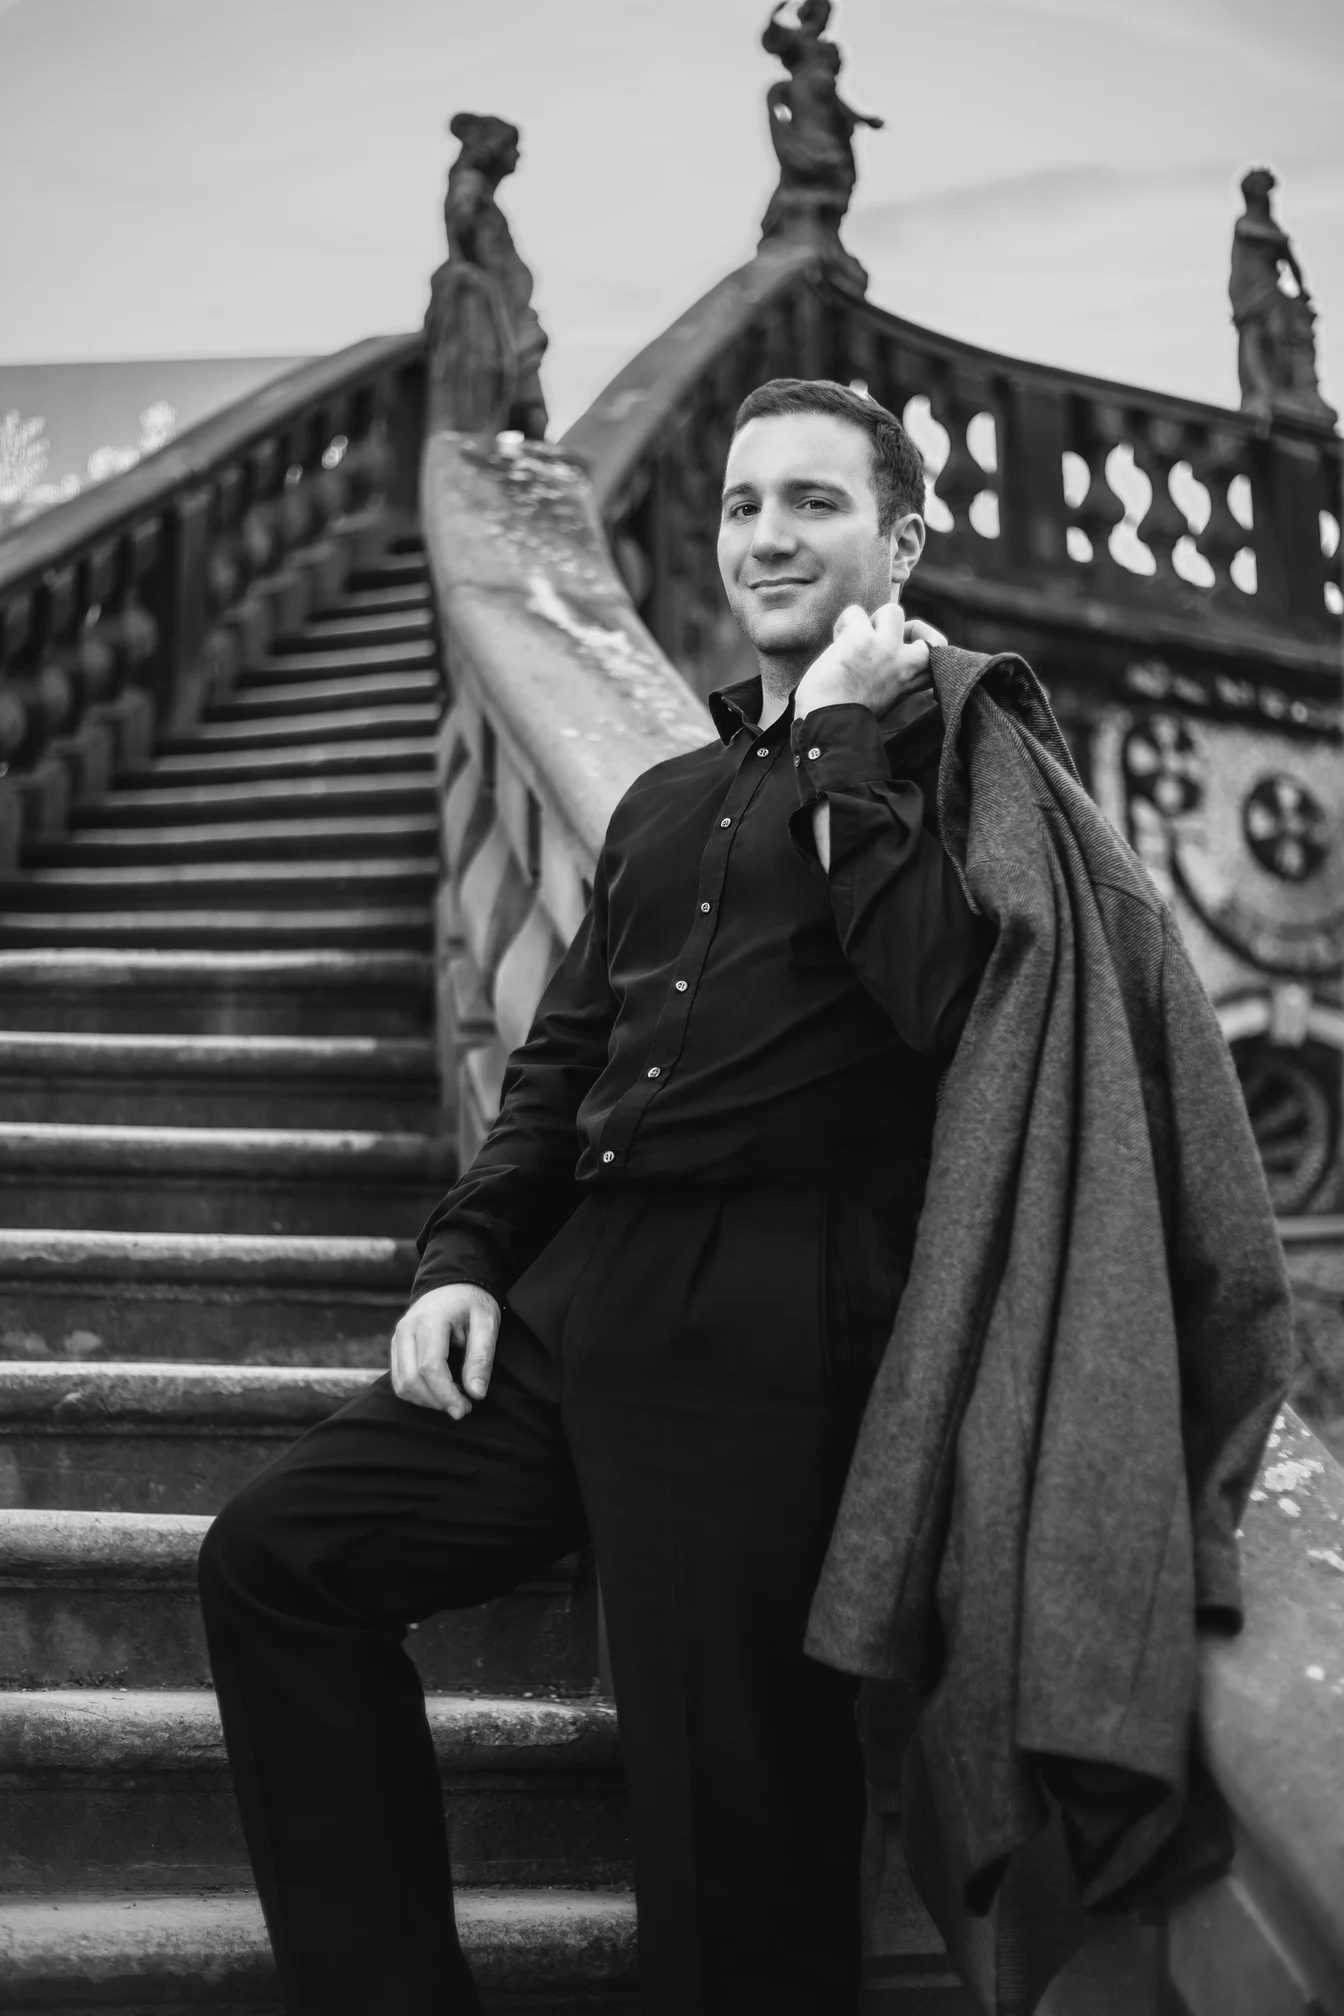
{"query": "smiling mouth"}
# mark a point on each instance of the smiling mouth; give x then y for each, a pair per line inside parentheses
(783, 581)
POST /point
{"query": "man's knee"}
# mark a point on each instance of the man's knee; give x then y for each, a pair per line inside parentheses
(242, 1558)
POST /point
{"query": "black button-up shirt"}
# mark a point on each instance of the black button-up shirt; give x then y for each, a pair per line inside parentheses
(728, 1012)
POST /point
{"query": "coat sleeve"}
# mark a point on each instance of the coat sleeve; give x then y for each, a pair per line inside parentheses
(520, 1189)
(901, 913)
(1230, 1289)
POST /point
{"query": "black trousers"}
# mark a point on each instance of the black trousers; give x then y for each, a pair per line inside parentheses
(685, 1392)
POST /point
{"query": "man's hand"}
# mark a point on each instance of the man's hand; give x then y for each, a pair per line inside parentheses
(458, 1316)
(872, 661)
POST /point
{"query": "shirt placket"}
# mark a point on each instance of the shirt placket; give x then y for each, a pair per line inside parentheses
(759, 755)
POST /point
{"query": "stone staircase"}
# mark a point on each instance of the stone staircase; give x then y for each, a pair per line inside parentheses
(219, 1130)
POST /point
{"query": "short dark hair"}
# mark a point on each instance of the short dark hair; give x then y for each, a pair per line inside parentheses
(898, 466)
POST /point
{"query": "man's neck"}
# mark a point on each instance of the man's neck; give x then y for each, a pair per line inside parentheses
(779, 676)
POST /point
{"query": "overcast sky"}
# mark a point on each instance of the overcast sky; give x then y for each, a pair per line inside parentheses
(1057, 178)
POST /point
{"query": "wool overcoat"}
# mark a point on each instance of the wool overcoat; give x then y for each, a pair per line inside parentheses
(1042, 1508)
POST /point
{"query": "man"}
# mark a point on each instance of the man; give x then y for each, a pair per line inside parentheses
(650, 1311)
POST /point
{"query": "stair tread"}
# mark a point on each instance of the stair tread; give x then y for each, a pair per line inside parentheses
(143, 929)
(409, 595)
(133, 875)
(279, 1259)
(327, 835)
(332, 1152)
(303, 695)
(342, 626)
(153, 1729)
(283, 1057)
(170, 796)
(355, 722)
(304, 660)
(121, 1396)
(548, 1938)
(320, 968)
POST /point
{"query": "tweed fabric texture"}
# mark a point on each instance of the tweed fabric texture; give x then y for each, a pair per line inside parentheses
(1042, 1507)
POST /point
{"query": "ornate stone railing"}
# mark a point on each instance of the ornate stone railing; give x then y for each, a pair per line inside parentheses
(1062, 510)
(559, 698)
(133, 604)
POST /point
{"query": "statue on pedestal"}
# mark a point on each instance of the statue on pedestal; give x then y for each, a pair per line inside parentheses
(484, 343)
(812, 130)
(1276, 355)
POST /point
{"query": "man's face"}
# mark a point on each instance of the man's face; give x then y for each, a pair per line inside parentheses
(798, 537)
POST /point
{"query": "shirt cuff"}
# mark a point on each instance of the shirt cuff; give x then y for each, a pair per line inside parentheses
(453, 1257)
(837, 748)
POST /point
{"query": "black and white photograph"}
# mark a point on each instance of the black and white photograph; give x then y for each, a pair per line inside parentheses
(671, 1008)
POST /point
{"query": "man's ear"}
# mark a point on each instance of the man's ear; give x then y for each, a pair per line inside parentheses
(907, 543)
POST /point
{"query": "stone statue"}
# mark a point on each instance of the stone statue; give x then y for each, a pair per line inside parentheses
(484, 343)
(1276, 354)
(813, 130)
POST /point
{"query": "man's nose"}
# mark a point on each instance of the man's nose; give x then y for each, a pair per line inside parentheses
(773, 532)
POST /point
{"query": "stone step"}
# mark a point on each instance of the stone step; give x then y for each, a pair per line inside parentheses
(153, 1438)
(109, 1599)
(366, 927)
(304, 660)
(394, 570)
(394, 878)
(345, 629)
(360, 690)
(533, 1953)
(130, 1790)
(201, 1297)
(220, 1179)
(225, 792)
(334, 831)
(365, 725)
(333, 991)
(406, 595)
(219, 1081)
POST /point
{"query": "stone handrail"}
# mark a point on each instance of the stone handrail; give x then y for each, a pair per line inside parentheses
(1235, 554)
(132, 604)
(559, 698)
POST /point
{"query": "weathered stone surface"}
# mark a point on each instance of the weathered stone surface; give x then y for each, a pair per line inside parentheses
(210, 1297)
(123, 1790)
(264, 992)
(269, 1180)
(216, 1081)
(152, 1438)
(548, 1952)
(97, 1599)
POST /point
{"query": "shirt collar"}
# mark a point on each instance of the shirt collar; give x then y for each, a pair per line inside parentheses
(737, 707)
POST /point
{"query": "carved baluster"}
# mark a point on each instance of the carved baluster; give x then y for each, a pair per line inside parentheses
(955, 403)
(1216, 459)
(1097, 430)
(38, 697)
(87, 742)
(1158, 445)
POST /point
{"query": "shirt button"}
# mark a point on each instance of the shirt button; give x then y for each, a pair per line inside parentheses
(812, 755)
(705, 907)
(655, 1070)
(762, 751)
(681, 986)
(609, 1156)
(725, 822)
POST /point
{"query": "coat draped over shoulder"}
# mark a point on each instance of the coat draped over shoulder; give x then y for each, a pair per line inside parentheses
(1042, 1507)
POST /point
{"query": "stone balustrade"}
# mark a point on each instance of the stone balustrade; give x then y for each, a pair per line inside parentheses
(1064, 512)
(129, 607)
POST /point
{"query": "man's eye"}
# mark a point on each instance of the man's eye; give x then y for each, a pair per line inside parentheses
(816, 504)
(740, 510)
